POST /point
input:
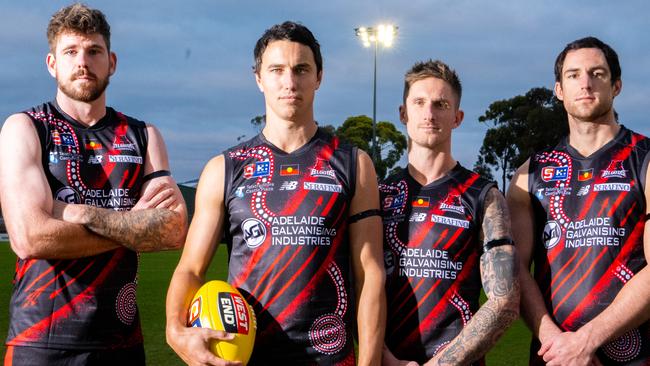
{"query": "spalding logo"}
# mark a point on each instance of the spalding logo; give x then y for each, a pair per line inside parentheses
(234, 315)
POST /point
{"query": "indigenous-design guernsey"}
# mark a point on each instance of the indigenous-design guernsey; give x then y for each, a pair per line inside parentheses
(86, 303)
(589, 220)
(288, 247)
(431, 255)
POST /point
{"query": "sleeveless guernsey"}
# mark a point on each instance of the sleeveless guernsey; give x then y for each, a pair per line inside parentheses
(288, 247)
(589, 221)
(85, 303)
(431, 255)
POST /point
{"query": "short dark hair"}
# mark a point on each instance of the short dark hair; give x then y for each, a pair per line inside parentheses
(287, 31)
(590, 42)
(78, 18)
(432, 69)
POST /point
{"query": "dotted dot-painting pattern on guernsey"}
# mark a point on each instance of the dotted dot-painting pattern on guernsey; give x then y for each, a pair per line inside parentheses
(327, 334)
(556, 204)
(125, 304)
(258, 200)
(625, 348)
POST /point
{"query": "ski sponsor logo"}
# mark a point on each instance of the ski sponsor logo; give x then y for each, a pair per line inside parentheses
(394, 201)
(257, 169)
(555, 173)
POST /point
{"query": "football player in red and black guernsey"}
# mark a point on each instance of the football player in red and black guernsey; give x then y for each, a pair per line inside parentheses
(84, 188)
(580, 212)
(299, 212)
(446, 233)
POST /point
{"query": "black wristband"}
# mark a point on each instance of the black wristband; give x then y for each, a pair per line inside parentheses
(497, 243)
(156, 174)
(363, 214)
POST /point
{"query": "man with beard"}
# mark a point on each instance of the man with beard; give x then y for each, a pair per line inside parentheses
(579, 211)
(84, 188)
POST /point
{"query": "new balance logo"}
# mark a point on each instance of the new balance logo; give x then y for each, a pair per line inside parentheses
(584, 190)
(289, 185)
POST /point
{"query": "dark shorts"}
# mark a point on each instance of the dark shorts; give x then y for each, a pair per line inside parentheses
(27, 356)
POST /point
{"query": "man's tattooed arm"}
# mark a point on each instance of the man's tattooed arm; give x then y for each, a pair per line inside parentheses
(147, 230)
(499, 269)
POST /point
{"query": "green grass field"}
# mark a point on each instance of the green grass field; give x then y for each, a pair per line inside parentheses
(155, 272)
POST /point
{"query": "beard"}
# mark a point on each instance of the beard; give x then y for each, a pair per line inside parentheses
(86, 92)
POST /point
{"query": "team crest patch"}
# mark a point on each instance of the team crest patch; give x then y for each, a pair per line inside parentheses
(614, 170)
(322, 169)
(452, 203)
(121, 142)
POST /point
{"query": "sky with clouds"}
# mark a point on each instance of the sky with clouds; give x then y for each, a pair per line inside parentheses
(186, 66)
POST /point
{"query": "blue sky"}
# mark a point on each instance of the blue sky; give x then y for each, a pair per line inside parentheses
(186, 66)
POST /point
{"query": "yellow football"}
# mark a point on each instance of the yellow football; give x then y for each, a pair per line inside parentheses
(217, 305)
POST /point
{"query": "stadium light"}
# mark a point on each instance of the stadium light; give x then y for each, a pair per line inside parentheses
(384, 35)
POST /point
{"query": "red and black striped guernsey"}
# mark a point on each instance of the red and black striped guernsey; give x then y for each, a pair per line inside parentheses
(431, 255)
(288, 245)
(589, 221)
(86, 303)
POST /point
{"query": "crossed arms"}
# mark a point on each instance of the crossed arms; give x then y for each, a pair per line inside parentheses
(42, 228)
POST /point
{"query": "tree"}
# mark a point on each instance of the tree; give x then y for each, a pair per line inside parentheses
(519, 127)
(357, 131)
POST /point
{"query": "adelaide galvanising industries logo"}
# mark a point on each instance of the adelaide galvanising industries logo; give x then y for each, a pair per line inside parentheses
(552, 234)
(254, 232)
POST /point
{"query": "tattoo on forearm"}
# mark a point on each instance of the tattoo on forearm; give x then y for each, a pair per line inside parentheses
(499, 271)
(142, 230)
(479, 335)
(496, 218)
(500, 282)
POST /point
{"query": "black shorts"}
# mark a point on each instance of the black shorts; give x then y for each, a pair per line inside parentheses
(27, 356)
